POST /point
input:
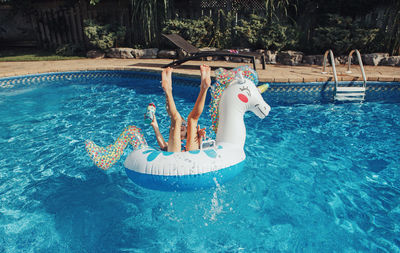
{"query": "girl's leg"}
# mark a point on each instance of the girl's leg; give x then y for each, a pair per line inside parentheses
(193, 141)
(174, 141)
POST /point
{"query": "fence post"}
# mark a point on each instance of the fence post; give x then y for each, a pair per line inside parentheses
(73, 25)
(35, 27)
(68, 34)
(82, 14)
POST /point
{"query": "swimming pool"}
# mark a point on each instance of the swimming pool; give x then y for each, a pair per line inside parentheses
(319, 177)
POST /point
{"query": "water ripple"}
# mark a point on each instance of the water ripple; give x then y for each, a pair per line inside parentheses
(318, 178)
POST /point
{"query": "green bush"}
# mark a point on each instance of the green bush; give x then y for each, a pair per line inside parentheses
(203, 32)
(103, 36)
(343, 34)
(69, 50)
(255, 33)
(258, 33)
(196, 32)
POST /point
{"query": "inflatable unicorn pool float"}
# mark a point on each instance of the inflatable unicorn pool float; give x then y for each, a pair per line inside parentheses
(234, 93)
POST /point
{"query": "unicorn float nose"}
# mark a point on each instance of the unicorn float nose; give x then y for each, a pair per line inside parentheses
(263, 88)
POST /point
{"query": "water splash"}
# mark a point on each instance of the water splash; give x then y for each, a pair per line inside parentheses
(217, 204)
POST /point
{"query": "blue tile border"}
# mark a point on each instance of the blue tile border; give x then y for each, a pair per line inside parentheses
(279, 92)
(10, 82)
(324, 91)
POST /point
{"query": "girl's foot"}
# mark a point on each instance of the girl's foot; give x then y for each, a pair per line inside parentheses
(166, 79)
(205, 72)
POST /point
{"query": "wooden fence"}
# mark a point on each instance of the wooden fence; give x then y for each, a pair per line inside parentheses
(57, 26)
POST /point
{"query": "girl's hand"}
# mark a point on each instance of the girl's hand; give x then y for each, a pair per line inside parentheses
(154, 122)
(201, 133)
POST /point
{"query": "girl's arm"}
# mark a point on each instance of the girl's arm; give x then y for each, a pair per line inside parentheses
(160, 139)
(201, 134)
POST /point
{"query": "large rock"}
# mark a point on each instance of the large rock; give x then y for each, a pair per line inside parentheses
(343, 59)
(236, 59)
(149, 53)
(210, 58)
(390, 61)
(120, 52)
(181, 54)
(289, 57)
(270, 56)
(113, 53)
(318, 59)
(167, 54)
(138, 53)
(95, 54)
(313, 59)
(208, 49)
(373, 59)
(126, 53)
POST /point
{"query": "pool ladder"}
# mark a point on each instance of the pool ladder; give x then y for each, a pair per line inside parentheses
(347, 93)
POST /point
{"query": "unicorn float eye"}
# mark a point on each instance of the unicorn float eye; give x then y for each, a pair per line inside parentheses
(246, 89)
(242, 96)
(240, 79)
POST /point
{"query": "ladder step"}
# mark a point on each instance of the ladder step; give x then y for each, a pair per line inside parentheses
(343, 98)
(354, 94)
(350, 89)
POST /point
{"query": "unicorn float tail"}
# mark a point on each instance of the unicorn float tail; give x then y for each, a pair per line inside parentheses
(105, 157)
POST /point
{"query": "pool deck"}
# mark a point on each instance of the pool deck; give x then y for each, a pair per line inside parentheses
(272, 73)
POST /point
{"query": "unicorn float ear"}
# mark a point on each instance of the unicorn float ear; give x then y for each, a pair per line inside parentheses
(263, 88)
(239, 77)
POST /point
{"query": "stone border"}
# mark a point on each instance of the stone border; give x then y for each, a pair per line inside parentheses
(265, 80)
(291, 58)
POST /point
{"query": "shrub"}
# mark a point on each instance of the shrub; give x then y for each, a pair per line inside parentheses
(342, 34)
(103, 36)
(195, 31)
(258, 33)
(203, 32)
(255, 33)
(69, 50)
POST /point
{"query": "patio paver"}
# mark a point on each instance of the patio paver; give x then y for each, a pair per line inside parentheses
(272, 73)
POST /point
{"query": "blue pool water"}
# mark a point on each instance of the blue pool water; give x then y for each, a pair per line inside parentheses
(318, 178)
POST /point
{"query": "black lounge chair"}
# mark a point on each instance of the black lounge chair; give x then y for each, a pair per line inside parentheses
(195, 53)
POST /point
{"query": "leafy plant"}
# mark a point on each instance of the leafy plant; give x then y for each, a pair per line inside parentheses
(258, 33)
(195, 31)
(94, 2)
(255, 33)
(147, 17)
(390, 32)
(276, 8)
(222, 32)
(69, 50)
(203, 32)
(103, 36)
(343, 34)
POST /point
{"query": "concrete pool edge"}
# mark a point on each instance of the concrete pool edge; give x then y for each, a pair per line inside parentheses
(273, 73)
(328, 78)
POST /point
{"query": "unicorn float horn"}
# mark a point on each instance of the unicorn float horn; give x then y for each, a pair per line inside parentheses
(106, 157)
(263, 88)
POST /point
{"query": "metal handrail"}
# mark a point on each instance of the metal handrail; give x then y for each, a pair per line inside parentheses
(359, 62)
(333, 65)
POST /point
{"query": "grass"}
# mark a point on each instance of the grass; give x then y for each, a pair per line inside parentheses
(31, 54)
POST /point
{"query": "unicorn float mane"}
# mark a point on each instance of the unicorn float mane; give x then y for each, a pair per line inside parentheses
(223, 79)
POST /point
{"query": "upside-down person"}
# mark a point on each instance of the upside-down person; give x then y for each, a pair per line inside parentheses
(181, 129)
